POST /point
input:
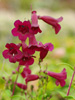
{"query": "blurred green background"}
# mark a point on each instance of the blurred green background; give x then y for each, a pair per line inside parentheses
(64, 41)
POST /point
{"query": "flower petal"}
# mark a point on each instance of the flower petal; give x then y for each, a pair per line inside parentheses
(6, 54)
(15, 32)
(62, 83)
(32, 40)
(26, 71)
(17, 23)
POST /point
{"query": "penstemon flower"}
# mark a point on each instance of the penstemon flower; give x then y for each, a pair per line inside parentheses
(11, 52)
(34, 26)
(52, 21)
(22, 86)
(60, 77)
(22, 29)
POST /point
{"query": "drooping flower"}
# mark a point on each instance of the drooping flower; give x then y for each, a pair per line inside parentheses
(11, 52)
(45, 48)
(52, 21)
(26, 72)
(34, 26)
(22, 86)
(31, 77)
(42, 48)
(26, 56)
(28, 76)
(60, 77)
(22, 29)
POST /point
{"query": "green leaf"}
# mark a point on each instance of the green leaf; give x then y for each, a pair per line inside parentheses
(69, 97)
(8, 92)
(67, 65)
(21, 70)
(62, 94)
(33, 94)
(18, 96)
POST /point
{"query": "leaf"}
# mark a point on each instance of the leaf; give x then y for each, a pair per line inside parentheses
(62, 94)
(69, 97)
(21, 70)
(67, 65)
(18, 96)
(33, 94)
(8, 92)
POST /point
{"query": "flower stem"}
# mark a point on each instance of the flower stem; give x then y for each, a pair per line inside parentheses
(15, 82)
(71, 82)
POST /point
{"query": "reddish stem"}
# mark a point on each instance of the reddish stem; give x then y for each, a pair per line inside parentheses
(15, 82)
(71, 82)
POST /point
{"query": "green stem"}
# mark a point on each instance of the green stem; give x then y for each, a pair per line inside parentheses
(71, 82)
(15, 81)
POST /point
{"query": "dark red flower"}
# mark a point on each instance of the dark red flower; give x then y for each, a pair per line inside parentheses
(35, 30)
(22, 86)
(60, 77)
(11, 52)
(52, 21)
(28, 76)
(31, 77)
(22, 29)
(26, 72)
(42, 48)
(26, 61)
(34, 26)
(26, 56)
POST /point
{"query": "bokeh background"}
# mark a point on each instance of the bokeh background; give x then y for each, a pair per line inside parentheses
(64, 41)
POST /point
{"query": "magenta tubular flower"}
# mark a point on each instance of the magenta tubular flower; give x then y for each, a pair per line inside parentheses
(34, 26)
(28, 76)
(31, 77)
(52, 21)
(26, 57)
(22, 86)
(60, 77)
(26, 61)
(11, 52)
(44, 49)
(26, 72)
(22, 29)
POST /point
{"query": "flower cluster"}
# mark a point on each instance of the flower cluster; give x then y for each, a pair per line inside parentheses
(24, 54)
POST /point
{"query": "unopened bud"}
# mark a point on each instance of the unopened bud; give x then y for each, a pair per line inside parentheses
(13, 72)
